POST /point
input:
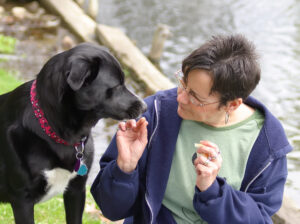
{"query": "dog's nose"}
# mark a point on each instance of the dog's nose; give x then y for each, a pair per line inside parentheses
(137, 108)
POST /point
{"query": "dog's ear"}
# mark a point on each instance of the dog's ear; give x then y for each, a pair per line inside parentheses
(79, 71)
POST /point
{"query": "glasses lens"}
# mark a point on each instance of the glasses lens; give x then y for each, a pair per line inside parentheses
(179, 76)
(181, 87)
(194, 101)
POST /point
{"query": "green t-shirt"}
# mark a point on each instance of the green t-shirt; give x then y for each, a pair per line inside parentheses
(235, 143)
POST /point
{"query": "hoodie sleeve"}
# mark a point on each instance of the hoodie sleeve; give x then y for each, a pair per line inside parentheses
(117, 192)
(220, 203)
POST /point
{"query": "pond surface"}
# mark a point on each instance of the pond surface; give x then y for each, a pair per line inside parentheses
(273, 26)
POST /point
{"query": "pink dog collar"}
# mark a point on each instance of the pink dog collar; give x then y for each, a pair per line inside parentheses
(80, 167)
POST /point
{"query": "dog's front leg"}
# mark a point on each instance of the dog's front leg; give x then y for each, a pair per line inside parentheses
(74, 200)
(23, 212)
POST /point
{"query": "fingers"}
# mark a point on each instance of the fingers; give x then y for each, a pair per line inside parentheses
(211, 145)
(141, 122)
(122, 126)
(207, 155)
(206, 167)
(206, 161)
(132, 124)
(206, 171)
(209, 149)
(207, 164)
(144, 131)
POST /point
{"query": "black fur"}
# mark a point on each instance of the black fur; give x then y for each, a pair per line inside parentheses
(75, 89)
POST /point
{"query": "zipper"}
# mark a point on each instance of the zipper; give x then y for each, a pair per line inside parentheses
(268, 164)
(156, 113)
(155, 106)
(151, 218)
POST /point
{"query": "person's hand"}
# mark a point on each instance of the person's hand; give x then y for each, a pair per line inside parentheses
(207, 165)
(131, 143)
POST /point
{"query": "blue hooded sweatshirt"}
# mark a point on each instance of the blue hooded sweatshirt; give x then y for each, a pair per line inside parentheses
(137, 196)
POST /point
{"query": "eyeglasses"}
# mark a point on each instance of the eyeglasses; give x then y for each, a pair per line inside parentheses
(191, 94)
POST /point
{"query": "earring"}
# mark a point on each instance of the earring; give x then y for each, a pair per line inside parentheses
(226, 117)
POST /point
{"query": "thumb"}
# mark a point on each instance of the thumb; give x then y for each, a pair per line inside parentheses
(144, 133)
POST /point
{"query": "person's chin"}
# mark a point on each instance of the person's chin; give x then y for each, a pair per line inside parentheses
(181, 112)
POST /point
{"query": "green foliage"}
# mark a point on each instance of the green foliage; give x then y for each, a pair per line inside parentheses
(49, 212)
(126, 73)
(7, 82)
(7, 44)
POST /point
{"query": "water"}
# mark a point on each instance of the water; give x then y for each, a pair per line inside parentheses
(273, 26)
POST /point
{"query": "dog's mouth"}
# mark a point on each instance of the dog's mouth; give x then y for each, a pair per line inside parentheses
(136, 109)
(133, 112)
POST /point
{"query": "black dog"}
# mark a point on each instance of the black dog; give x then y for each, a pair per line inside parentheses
(46, 145)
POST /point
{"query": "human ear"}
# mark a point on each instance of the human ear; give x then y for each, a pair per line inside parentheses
(234, 104)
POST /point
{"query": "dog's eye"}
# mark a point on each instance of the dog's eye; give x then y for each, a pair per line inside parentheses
(109, 93)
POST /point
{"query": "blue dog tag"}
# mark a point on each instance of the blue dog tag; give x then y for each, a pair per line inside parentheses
(82, 169)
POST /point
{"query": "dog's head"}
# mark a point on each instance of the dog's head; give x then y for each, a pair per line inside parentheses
(88, 78)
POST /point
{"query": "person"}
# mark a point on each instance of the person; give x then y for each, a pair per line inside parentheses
(150, 172)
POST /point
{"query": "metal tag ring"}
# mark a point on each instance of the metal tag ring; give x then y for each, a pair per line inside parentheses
(79, 155)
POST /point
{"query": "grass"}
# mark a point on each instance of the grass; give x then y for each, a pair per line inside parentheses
(7, 44)
(50, 212)
(7, 82)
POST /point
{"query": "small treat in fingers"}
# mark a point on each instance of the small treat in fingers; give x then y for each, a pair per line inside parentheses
(198, 145)
(196, 154)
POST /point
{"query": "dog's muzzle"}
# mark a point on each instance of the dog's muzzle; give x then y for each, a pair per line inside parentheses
(136, 109)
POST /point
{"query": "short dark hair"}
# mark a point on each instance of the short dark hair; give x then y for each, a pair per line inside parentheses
(232, 63)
